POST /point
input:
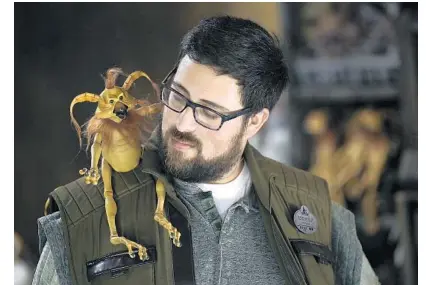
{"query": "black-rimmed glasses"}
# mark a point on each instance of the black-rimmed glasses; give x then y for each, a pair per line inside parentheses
(203, 115)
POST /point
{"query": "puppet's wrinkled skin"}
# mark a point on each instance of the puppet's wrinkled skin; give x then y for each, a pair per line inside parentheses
(116, 133)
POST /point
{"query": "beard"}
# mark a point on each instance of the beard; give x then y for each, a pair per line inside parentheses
(198, 169)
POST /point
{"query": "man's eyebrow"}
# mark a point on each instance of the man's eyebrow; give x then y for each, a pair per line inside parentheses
(181, 87)
(207, 102)
(214, 105)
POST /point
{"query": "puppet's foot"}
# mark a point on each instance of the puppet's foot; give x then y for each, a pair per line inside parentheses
(142, 252)
(91, 175)
(173, 232)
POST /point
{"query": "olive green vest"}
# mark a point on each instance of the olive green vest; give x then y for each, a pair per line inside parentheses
(304, 258)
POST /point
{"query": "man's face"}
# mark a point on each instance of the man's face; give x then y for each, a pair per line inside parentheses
(192, 152)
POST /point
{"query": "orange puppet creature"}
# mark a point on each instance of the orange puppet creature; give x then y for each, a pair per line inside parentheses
(116, 132)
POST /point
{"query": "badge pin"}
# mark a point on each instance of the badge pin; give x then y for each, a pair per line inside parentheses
(305, 221)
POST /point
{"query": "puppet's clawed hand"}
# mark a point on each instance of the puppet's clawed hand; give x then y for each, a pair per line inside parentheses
(91, 175)
(142, 252)
(174, 234)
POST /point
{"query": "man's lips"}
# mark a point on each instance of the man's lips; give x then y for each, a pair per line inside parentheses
(181, 144)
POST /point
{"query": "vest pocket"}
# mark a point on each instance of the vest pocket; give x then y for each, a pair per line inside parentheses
(120, 268)
(139, 275)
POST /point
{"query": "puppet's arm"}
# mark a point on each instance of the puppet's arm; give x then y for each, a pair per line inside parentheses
(147, 110)
(92, 175)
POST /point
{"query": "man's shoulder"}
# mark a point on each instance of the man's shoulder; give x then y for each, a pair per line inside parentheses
(73, 200)
(271, 163)
(341, 213)
(76, 199)
(343, 220)
(351, 265)
(77, 185)
(53, 267)
(121, 181)
(291, 176)
(343, 226)
(50, 229)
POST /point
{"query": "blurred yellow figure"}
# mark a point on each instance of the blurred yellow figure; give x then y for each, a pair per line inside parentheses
(360, 163)
(325, 145)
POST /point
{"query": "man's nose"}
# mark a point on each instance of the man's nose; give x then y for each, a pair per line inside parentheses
(186, 121)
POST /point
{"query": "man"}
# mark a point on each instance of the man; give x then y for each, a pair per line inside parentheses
(243, 218)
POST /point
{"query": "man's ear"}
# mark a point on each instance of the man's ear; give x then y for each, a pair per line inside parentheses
(256, 122)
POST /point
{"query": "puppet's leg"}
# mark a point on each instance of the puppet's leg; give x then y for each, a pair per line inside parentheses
(111, 211)
(159, 214)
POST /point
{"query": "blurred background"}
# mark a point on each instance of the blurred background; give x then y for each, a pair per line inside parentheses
(349, 115)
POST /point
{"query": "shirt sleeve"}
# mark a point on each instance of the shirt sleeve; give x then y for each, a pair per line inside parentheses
(53, 267)
(367, 273)
(351, 267)
(45, 273)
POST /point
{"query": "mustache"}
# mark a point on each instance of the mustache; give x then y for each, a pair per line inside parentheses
(184, 137)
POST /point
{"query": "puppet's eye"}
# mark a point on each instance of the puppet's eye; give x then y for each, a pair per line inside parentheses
(111, 101)
(121, 97)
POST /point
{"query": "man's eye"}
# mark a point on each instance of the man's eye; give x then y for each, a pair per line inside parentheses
(207, 113)
(176, 97)
(111, 101)
(120, 98)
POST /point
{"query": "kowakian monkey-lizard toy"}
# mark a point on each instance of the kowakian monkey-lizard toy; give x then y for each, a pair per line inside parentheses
(115, 132)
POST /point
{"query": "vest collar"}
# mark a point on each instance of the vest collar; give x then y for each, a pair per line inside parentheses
(259, 175)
